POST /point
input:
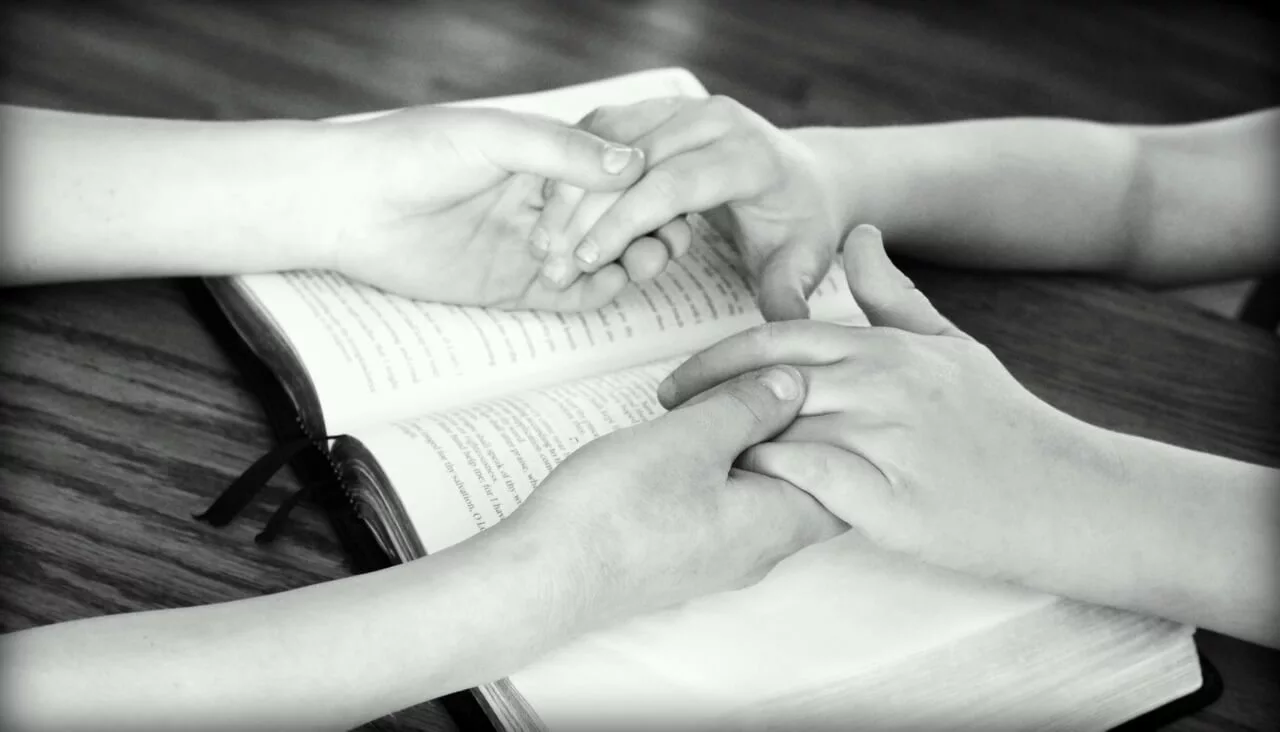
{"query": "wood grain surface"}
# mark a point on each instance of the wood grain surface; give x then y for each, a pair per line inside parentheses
(120, 417)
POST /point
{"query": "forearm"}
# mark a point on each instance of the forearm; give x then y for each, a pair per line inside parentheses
(1166, 205)
(329, 656)
(1017, 193)
(1164, 530)
(93, 197)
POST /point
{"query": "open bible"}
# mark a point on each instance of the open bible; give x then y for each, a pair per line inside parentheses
(449, 417)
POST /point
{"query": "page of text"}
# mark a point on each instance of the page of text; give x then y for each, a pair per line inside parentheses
(828, 613)
(375, 357)
(462, 470)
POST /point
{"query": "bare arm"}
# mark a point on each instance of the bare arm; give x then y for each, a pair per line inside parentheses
(429, 202)
(634, 521)
(97, 197)
(329, 656)
(1165, 205)
(977, 474)
(1168, 531)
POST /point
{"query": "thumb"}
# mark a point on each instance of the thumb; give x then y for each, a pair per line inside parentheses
(888, 297)
(744, 411)
(788, 278)
(526, 143)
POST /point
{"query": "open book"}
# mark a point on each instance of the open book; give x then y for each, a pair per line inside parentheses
(451, 416)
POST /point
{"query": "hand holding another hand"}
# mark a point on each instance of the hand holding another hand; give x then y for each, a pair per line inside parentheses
(437, 203)
(914, 433)
(758, 185)
(656, 514)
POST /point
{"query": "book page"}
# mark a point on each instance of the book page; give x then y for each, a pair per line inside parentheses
(828, 613)
(460, 471)
(829, 624)
(572, 103)
(374, 357)
(841, 632)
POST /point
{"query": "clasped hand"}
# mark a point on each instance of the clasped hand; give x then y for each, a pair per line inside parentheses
(760, 186)
(913, 433)
(436, 203)
(650, 517)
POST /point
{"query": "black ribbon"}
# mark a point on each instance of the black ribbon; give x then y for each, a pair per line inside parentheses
(245, 488)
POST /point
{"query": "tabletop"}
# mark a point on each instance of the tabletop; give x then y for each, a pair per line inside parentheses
(121, 416)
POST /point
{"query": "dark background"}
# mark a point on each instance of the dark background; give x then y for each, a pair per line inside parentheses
(119, 417)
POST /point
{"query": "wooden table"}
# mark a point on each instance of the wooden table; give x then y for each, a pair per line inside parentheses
(121, 417)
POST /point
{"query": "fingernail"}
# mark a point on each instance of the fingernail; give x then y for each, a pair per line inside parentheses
(781, 383)
(588, 252)
(548, 190)
(557, 272)
(616, 158)
(540, 240)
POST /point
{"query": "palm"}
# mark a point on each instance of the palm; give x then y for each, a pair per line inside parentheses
(470, 251)
(448, 225)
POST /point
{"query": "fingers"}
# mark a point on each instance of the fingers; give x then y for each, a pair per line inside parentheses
(521, 143)
(852, 413)
(887, 296)
(591, 292)
(674, 130)
(624, 123)
(800, 342)
(557, 212)
(845, 483)
(765, 507)
(645, 259)
(689, 183)
(677, 235)
(695, 124)
(788, 278)
(563, 221)
(566, 216)
(745, 411)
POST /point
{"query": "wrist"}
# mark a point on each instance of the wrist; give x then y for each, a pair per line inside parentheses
(831, 165)
(1093, 526)
(563, 586)
(327, 184)
(858, 186)
(1050, 520)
